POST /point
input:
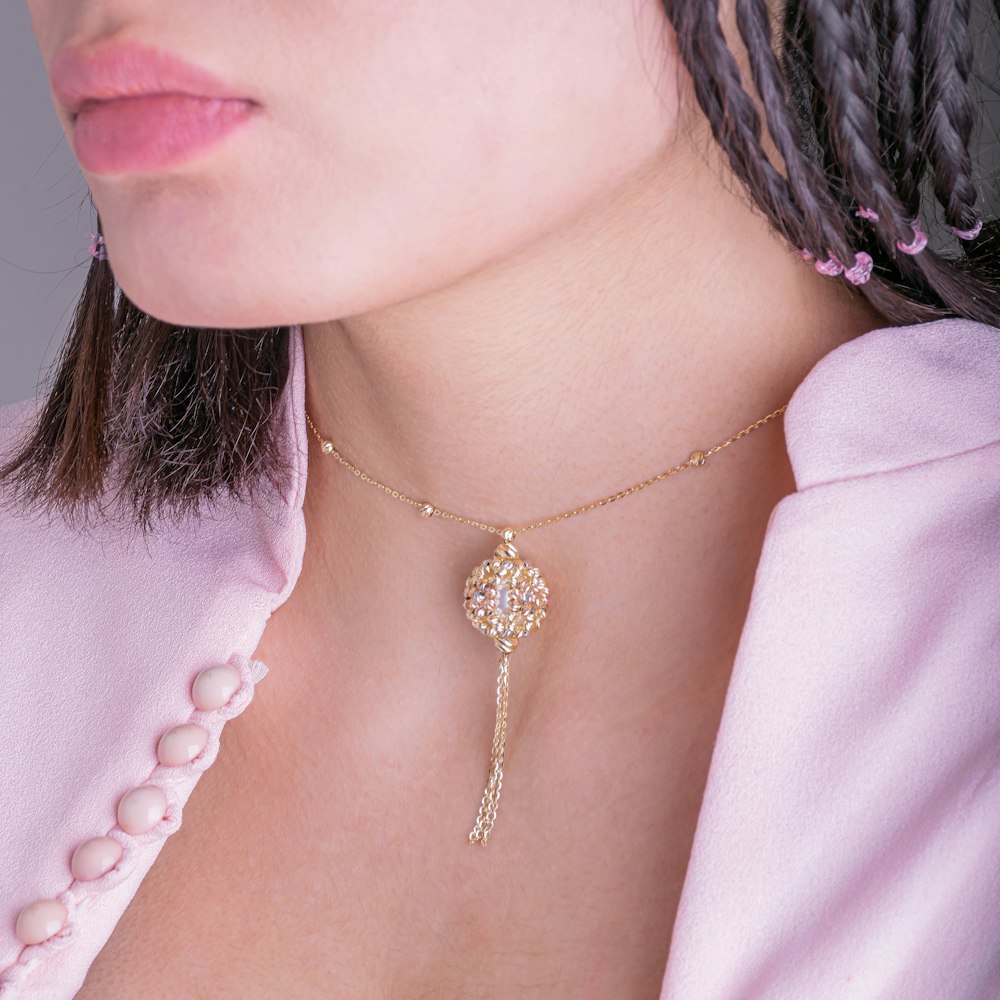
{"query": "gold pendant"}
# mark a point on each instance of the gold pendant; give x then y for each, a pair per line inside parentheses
(505, 598)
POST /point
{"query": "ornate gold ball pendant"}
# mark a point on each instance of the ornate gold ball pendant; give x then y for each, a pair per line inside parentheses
(505, 598)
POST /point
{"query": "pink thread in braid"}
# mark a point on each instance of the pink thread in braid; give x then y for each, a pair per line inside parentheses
(919, 239)
(862, 269)
(97, 246)
(969, 234)
(830, 266)
(857, 274)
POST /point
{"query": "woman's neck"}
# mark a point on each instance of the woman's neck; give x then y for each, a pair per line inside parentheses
(662, 321)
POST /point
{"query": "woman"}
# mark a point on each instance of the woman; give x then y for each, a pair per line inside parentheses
(509, 262)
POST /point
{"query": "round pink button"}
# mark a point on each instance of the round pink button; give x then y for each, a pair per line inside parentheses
(141, 809)
(214, 686)
(181, 744)
(94, 857)
(38, 921)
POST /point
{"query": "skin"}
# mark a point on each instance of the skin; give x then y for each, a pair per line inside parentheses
(526, 281)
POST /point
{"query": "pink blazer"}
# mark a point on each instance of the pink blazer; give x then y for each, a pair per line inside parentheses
(848, 844)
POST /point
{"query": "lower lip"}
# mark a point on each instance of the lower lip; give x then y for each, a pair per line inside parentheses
(152, 131)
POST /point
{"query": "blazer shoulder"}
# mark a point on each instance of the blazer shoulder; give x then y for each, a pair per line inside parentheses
(896, 396)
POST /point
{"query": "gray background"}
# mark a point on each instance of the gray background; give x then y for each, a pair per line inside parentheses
(45, 213)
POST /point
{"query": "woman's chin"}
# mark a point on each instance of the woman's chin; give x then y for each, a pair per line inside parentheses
(212, 307)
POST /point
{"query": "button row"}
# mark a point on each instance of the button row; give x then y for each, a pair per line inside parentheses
(139, 810)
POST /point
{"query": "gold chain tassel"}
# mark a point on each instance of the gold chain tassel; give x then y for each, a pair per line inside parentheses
(491, 797)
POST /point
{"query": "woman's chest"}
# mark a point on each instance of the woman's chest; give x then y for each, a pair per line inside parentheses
(326, 853)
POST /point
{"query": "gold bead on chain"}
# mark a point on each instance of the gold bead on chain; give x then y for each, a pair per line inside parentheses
(506, 597)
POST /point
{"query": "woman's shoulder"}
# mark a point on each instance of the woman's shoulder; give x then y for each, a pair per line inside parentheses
(852, 798)
(103, 635)
(894, 397)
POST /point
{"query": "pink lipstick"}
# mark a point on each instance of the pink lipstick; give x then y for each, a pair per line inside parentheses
(137, 108)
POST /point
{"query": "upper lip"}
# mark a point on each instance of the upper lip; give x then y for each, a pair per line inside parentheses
(127, 69)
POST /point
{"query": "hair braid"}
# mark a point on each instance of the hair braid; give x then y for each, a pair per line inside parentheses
(831, 58)
(949, 111)
(841, 67)
(899, 112)
(736, 126)
(823, 217)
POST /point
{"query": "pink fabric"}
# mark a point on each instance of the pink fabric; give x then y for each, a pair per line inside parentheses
(848, 844)
(101, 638)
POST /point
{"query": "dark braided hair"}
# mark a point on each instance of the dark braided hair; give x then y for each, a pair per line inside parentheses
(869, 104)
(949, 109)
(842, 71)
(899, 118)
(867, 95)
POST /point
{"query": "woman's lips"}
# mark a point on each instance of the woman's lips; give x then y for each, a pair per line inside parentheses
(136, 107)
(149, 132)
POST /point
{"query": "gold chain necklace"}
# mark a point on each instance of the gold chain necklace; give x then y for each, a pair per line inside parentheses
(506, 597)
